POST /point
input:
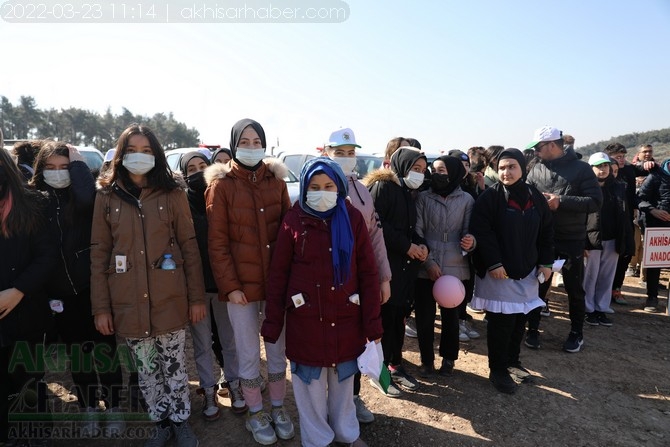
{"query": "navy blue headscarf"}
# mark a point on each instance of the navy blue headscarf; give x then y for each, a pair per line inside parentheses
(340, 227)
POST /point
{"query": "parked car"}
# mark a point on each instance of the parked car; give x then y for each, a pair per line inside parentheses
(365, 163)
(92, 157)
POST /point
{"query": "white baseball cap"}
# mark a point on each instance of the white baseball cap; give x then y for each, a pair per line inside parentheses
(342, 137)
(546, 133)
(599, 158)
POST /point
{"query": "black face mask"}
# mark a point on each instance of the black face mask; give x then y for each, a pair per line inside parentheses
(197, 181)
(442, 184)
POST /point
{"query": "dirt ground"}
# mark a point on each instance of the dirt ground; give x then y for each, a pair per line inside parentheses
(616, 392)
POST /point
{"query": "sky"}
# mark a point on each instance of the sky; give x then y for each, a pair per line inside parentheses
(452, 73)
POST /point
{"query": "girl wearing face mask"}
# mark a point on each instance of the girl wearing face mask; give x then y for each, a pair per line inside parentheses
(392, 192)
(141, 218)
(193, 165)
(324, 284)
(28, 253)
(443, 217)
(246, 200)
(60, 172)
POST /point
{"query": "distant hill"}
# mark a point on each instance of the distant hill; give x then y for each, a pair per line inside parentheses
(659, 139)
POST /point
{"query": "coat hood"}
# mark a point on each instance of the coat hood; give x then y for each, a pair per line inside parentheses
(381, 175)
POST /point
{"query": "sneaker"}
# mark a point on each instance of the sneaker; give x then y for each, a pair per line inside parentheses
(592, 319)
(210, 409)
(650, 305)
(447, 367)
(237, 403)
(462, 336)
(545, 312)
(426, 370)
(465, 327)
(259, 426)
(90, 426)
(159, 437)
(630, 272)
(402, 379)
(184, 435)
(520, 374)
(617, 298)
(503, 382)
(116, 424)
(532, 339)
(410, 329)
(363, 415)
(574, 342)
(282, 422)
(393, 391)
(603, 320)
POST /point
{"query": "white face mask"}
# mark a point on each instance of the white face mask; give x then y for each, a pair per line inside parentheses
(138, 163)
(321, 200)
(249, 157)
(413, 180)
(57, 178)
(348, 164)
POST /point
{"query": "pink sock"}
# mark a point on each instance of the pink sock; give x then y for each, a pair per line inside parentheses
(253, 398)
(277, 392)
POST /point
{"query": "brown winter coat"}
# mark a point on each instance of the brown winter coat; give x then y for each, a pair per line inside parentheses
(145, 300)
(244, 210)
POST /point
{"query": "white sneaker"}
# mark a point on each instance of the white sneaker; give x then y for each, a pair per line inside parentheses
(465, 328)
(259, 426)
(282, 422)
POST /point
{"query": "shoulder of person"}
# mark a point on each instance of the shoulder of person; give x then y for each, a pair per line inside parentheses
(380, 175)
(276, 167)
(217, 171)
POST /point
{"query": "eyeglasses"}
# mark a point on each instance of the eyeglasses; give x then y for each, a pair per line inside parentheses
(539, 147)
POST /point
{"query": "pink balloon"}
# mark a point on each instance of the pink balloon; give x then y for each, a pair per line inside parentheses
(448, 291)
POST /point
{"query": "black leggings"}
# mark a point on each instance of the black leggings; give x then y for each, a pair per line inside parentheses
(424, 311)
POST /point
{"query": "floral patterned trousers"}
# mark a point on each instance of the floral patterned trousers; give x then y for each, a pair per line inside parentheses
(161, 369)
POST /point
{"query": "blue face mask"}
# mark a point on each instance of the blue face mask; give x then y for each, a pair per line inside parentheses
(57, 178)
(321, 200)
(138, 163)
(249, 157)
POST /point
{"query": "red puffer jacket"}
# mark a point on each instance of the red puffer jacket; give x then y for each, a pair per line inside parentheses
(328, 328)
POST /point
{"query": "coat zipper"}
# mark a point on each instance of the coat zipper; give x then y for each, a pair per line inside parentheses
(62, 255)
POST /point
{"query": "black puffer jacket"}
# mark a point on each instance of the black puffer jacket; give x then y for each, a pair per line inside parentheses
(655, 193)
(69, 214)
(614, 198)
(576, 184)
(27, 260)
(397, 213)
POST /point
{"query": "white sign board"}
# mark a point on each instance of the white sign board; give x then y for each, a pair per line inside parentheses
(656, 247)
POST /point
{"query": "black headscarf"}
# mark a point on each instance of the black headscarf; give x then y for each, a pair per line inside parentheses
(403, 159)
(238, 128)
(196, 182)
(218, 151)
(445, 184)
(519, 191)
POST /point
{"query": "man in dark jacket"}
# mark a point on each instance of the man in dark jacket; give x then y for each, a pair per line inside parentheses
(572, 192)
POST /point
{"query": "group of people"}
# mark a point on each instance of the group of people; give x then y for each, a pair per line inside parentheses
(219, 249)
